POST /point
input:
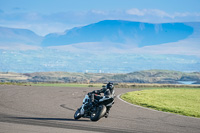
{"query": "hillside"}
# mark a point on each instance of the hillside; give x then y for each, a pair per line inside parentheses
(157, 76)
(116, 32)
(11, 36)
(148, 76)
(124, 32)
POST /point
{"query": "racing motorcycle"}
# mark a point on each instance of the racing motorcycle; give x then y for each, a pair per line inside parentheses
(93, 108)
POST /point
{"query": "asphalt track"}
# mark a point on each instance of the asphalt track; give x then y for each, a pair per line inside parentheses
(28, 109)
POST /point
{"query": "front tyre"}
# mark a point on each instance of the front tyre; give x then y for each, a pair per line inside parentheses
(98, 113)
(77, 114)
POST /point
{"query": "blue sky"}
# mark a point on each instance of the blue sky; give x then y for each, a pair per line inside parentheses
(46, 16)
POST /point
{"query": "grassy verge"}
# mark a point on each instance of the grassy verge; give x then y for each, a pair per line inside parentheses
(12, 83)
(53, 84)
(146, 85)
(119, 85)
(181, 101)
(67, 85)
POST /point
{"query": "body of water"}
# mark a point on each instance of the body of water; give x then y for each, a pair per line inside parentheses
(187, 82)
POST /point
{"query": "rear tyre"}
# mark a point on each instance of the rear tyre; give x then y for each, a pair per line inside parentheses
(100, 112)
(77, 114)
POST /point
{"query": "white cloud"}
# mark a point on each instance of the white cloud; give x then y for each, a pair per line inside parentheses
(160, 13)
(186, 14)
(99, 12)
(135, 11)
(143, 12)
(33, 16)
(157, 12)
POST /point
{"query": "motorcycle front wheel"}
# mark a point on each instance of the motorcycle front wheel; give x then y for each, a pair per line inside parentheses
(77, 114)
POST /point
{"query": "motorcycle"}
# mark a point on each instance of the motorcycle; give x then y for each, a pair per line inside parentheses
(93, 108)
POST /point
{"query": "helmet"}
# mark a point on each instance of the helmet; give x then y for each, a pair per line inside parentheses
(110, 86)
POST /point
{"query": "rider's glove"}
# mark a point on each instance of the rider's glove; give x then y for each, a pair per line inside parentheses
(96, 92)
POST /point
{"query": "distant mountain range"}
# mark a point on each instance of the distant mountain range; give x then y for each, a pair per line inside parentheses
(18, 36)
(108, 31)
(125, 32)
(107, 46)
(118, 35)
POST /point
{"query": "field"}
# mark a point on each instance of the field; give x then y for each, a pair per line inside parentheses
(147, 77)
(53, 84)
(66, 85)
(99, 85)
(184, 101)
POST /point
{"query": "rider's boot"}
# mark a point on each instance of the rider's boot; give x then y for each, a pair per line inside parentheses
(107, 112)
(106, 115)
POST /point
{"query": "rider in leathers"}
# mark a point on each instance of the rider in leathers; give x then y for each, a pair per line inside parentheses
(108, 91)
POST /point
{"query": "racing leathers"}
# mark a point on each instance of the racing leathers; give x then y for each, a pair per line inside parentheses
(108, 92)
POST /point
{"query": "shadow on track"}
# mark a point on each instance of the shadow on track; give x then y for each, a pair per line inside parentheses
(64, 106)
(65, 123)
(46, 119)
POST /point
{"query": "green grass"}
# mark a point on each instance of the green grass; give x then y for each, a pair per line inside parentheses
(66, 85)
(52, 84)
(11, 83)
(181, 101)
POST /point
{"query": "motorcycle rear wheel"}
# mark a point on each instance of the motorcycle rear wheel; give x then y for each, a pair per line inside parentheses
(100, 112)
